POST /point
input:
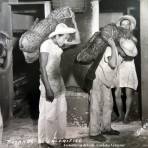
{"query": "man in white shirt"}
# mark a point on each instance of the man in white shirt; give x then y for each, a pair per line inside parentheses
(53, 105)
(101, 101)
(100, 94)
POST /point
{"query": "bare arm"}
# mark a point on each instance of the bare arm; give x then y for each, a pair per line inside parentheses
(113, 58)
(134, 39)
(44, 77)
(77, 34)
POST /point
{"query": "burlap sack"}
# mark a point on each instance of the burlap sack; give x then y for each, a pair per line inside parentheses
(31, 40)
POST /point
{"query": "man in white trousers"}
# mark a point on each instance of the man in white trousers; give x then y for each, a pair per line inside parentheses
(101, 101)
(53, 105)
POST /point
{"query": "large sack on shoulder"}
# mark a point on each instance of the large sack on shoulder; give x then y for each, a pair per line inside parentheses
(31, 40)
(83, 68)
(99, 41)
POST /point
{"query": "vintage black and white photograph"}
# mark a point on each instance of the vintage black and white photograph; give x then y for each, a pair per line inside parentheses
(73, 74)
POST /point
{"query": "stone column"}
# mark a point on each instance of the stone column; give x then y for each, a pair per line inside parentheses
(144, 57)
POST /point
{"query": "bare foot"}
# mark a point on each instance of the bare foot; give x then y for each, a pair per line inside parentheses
(119, 119)
(43, 145)
(126, 121)
(99, 137)
(111, 132)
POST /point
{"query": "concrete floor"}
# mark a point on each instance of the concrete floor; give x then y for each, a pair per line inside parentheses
(22, 134)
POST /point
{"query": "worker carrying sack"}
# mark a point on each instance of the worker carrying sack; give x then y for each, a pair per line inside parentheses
(88, 59)
(31, 40)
